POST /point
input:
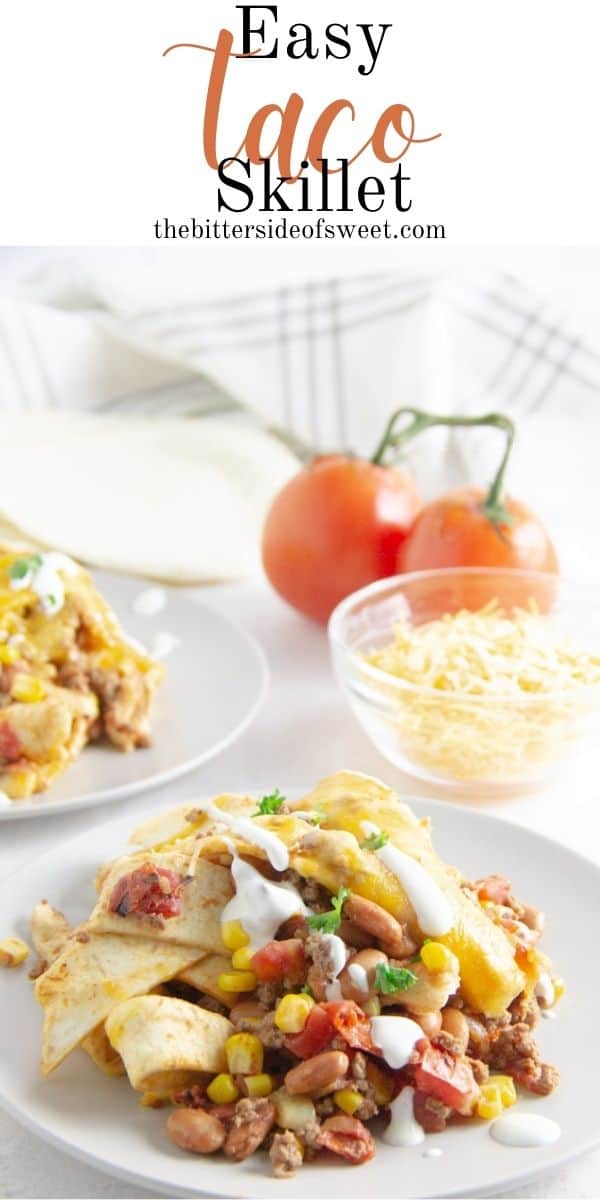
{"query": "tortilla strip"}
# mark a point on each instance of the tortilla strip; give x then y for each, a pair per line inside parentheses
(204, 976)
(159, 1036)
(204, 896)
(89, 978)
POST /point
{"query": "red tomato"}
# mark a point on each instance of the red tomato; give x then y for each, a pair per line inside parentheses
(318, 1032)
(347, 1137)
(454, 531)
(149, 890)
(351, 1023)
(336, 526)
(280, 960)
(441, 1075)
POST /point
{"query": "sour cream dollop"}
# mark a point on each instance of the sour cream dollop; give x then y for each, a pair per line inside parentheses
(432, 908)
(275, 850)
(396, 1037)
(403, 1129)
(43, 577)
(525, 1129)
(259, 905)
(337, 958)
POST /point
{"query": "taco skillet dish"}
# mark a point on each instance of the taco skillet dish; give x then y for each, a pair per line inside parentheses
(68, 675)
(299, 977)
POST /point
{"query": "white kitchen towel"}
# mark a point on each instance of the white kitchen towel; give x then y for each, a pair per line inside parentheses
(324, 362)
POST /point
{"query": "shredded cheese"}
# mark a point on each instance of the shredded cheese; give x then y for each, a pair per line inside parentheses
(490, 696)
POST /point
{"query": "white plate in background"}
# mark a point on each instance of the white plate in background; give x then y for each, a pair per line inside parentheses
(99, 1120)
(216, 678)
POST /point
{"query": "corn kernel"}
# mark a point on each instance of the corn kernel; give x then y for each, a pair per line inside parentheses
(8, 654)
(436, 957)
(13, 952)
(348, 1100)
(237, 981)
(372, 1006)
(245, 1054)
(258, 1085)
(241, 959)
(292, 1012)
(28, 689)
(234, 935)
(380, 1082)
(223, 1090)
(489, 1105)
(506, 1088)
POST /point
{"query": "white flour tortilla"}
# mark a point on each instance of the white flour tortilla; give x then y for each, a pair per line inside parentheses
(178, 500)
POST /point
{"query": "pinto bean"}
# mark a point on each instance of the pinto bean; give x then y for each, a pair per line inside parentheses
(368, 960)
(455, 1023)
(382, 926)
(316, 1073)
(195, 1130)
(251, 1124)
(430, 1022)
(353, 935)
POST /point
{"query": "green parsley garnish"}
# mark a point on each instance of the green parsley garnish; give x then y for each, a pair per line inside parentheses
(375, 840)
(393, 979)
(269, 804)
(328, 922)
(318, 816)
(23, 566)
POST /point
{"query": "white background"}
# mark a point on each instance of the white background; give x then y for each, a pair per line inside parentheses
(101, 134)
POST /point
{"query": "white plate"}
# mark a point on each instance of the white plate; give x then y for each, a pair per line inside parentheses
(216, 678)
(99, 1120)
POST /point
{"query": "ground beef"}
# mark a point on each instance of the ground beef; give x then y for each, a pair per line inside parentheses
(325, 1107)
(269, 993)
(266, 1029)
(286, 1154)
(514, 1050)
(446, 1041)
(430, 1112)
(480, 1070)
(368, 1109)
(359, 1066)
(525, 1010)
(313, 894)
(309, 1136)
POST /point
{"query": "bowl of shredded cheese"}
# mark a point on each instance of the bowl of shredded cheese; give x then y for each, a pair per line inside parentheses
(481, 680)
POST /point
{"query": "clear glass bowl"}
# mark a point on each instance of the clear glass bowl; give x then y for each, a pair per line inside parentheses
(474, 745)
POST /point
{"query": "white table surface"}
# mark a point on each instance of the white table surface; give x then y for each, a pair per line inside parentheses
(303, 732)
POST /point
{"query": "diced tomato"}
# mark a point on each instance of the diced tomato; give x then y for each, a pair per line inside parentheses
(450, 1080)
(351, 1023)
(280, 960)
(11, 747)
(149, 891)
(496, 888)
(318, 1032)
(347, 1137)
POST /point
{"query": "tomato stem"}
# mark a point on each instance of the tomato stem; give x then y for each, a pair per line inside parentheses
(394, 440)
